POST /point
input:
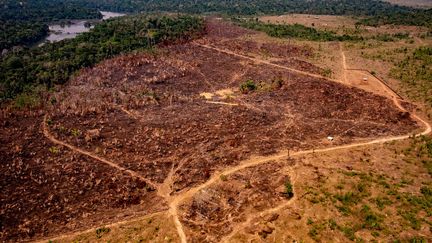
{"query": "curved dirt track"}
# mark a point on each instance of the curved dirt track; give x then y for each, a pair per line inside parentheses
(175, 200)
(257, 60)
(48, 135)
(293, 179)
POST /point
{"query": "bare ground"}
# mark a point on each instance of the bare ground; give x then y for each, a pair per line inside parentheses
(141, 118)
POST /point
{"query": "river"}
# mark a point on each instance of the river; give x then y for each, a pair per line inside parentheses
(75, 27)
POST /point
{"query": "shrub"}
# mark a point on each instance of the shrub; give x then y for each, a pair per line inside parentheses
(277, 83)
(332, 224)
(102, 231)
(327, 72)
(49, 122)
(54, 150)
(248, 86)
(289, 192)
(426, 191)
(417, 240)
(75, 132)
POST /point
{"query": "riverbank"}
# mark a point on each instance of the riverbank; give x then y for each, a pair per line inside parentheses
(70, 30)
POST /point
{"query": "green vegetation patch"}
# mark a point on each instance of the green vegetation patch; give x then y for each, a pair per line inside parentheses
(375, 202)
(418, 17)
(415, 71)
(293, 31)
(252, 7)
(101, 232)
(302, 32)
(248, 86)
(251, 85)
(289, 191)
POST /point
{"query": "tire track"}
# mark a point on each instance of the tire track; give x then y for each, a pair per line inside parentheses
(75, 234)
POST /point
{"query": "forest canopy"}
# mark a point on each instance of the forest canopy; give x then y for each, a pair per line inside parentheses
(416, 18)
(378, 12)
(251, 7)
(293, 31)
(45, 10)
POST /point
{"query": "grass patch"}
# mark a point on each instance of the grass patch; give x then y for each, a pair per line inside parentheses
(411, 218)
(348, 232)
(417, 240)
(316, 229)
(371, 220)
(379, 204)
(382, 202)
(415, 71)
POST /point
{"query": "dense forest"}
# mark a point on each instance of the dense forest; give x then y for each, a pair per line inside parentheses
(380, 12)
(415, 71)
(55, 63)
(13, 33)
(45, 10)
(299, 31)
(25, 22)
(416, 18)
(294, 31)
(249, 7)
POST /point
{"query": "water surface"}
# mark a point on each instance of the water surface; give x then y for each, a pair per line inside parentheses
(108, 15)
(75, 27)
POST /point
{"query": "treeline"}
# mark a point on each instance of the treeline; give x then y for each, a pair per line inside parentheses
(25, 22)
(293, 31)
(415, 71)
(377, 12)
(54, 63)
(299, 31)
(45, 10)
(416, 18)
(13, 33)
(251, 7)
